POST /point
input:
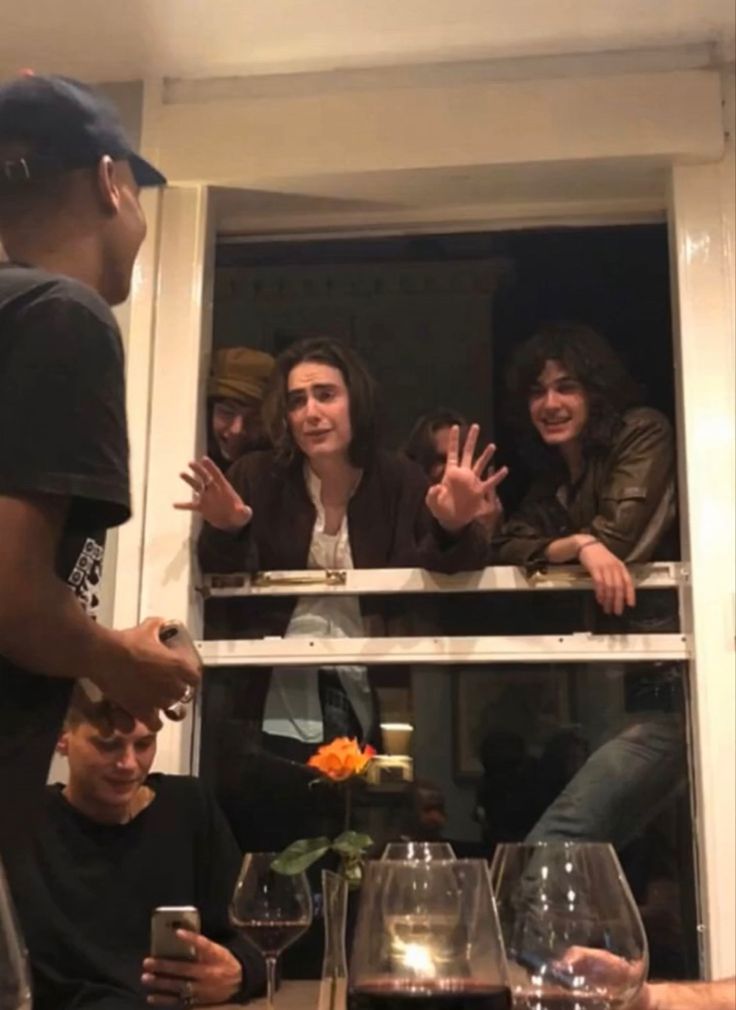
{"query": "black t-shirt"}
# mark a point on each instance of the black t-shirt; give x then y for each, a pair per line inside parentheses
(62, 432)
(108, 878)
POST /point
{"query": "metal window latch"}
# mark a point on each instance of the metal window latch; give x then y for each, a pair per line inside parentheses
(329, 577)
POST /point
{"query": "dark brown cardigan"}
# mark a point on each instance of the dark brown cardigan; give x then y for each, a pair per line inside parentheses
(389, 526)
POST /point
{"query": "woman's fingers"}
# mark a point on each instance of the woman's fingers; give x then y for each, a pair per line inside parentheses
(495, 479)
(470, 443)
(481, 464)
(453, 446)
(213, 471)
(188, 479)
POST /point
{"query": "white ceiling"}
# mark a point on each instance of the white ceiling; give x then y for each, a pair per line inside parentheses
(131, 39)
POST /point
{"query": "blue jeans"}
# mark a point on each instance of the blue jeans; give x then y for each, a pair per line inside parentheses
(621, 787)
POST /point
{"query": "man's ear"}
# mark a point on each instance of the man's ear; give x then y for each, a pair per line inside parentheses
(62, 744)
(108, 185)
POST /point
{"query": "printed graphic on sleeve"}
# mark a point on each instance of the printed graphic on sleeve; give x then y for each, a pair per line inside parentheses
(86, 575)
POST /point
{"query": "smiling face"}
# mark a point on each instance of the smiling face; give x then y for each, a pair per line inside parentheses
(318, 407)
(558, 406)
(236, 427)
(106, 772)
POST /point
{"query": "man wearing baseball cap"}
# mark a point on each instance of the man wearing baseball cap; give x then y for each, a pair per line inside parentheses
(71, 225)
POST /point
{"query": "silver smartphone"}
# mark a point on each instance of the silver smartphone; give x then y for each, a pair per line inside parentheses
(164, 923)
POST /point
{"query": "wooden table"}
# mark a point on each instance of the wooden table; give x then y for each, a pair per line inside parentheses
(291, 996)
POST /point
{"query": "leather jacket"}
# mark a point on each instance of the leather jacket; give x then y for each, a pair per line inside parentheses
(626, 497)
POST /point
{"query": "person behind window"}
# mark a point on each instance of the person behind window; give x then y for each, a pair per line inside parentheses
(604, 492)
(429, 440)
(428, 445)
(235, 393)
(119, 842)
(327, 497)
(428, 814)
(605, 497)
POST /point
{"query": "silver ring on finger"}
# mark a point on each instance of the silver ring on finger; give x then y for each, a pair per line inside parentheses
(187, 994)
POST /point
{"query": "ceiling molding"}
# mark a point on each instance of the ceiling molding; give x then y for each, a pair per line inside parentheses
(292, 81)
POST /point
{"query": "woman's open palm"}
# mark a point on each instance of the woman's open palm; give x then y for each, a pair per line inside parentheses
(214, 497)
(464, 493)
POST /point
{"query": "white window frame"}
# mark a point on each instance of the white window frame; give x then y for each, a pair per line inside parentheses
(170, 339)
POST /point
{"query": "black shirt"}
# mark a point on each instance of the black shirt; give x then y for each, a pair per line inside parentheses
(62, 432)
(108, 878)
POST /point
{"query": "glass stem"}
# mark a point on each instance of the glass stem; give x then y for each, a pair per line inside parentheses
(271, 962)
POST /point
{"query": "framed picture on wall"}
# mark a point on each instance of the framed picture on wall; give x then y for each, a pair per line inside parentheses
(517, 707)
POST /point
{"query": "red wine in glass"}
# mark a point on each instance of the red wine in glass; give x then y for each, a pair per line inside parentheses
(443, 995)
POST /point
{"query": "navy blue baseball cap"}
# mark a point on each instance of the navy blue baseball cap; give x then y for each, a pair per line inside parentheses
(59, 124)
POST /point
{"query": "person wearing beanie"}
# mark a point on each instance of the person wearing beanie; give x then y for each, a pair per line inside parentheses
(236, 389)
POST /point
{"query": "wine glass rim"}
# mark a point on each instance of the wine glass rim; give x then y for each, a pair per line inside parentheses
(430, 863)
(555, 843)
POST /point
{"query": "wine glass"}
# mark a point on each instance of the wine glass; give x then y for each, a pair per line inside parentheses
(427, 938)
(422, 851)
(15, 986)
(573, 935)
(270, 909)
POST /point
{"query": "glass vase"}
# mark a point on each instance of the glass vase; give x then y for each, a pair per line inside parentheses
(334, 984)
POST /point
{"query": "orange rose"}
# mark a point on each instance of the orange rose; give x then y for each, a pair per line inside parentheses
(341, 759)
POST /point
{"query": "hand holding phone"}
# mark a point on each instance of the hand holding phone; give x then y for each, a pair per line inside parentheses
(165, 921)
(175, 636)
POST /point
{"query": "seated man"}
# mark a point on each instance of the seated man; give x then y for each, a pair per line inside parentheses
(120, 842)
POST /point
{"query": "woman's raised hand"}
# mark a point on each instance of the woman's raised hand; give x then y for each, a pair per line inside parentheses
(214, 497)
(465, 493)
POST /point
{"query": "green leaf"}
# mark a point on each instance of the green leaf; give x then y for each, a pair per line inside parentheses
(352, 843)
(299, 856)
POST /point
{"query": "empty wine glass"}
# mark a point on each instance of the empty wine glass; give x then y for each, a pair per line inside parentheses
(427, 938)
(574, 939)
(15, 986)
(421, 851)
(270, 909)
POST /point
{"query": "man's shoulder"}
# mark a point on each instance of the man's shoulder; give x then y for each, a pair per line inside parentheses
(640, 421)
(179, 791)
(645, 417)
(28, 288)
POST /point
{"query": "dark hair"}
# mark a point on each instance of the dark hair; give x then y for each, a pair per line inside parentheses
(420, 444)
(590, 359)
(361, 391)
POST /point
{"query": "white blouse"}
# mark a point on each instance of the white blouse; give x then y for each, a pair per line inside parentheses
(293, 706)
